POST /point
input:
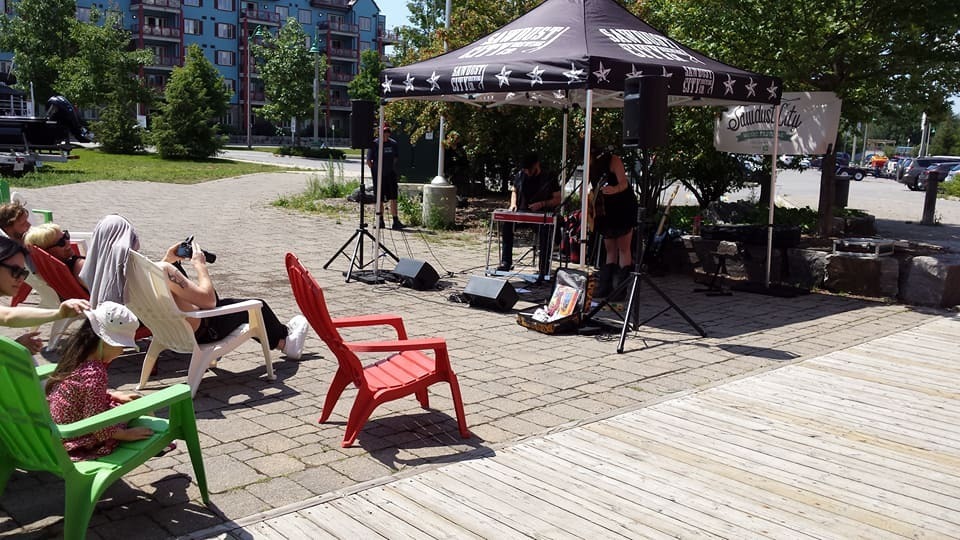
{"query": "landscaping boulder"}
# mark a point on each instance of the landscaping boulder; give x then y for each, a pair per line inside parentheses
(931, 280)
(876, 277)
(807, 267)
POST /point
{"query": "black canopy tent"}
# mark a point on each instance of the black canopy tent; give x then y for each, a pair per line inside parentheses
(577, 52)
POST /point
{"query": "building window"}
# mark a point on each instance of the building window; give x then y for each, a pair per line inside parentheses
(192, 26)
(283, 12)
(305, 16)
(365, 23)
(226, 31)
(231, 85)
(83, 14)
(364, 45)
(194, 3)
(6, 66)
(225, 58)
(225, 5)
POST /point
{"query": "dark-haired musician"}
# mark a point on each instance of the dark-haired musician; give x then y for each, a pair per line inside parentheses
(614, 210)
(533, 190)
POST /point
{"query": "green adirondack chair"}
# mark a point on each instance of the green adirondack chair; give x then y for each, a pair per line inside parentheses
(30, 440)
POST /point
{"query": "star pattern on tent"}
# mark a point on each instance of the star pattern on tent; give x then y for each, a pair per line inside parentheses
(504, 76)
(386, 85)
(751, 88)
(602, 73)
(773, 90)
(559, 94)
(536, 76)
(574, 75)
(634, 74)
(728, 86)
(667, 74)
(408, 83)
(433, 81)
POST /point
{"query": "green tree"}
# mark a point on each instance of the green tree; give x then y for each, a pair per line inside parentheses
(286, 68)
(103, 74)
(195, 100)
(946, 139)
(366, 85)
(492, 151)
(38, 33)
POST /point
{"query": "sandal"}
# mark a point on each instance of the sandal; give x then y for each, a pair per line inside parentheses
(167, 449)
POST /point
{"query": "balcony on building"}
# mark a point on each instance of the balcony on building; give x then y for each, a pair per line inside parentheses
(388, 37)
(155, 33)
(335, 53)
(335, 27)
(331, 4)
(337, 77)
(167, 6)
(339, 103)
(164, 61)
(261, 17)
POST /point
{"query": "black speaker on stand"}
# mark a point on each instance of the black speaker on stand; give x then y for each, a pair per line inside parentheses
(362, 128)
(645, 112)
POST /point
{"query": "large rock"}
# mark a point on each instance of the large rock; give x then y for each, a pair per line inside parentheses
(807, 267)
(931, 280)
(876, 277)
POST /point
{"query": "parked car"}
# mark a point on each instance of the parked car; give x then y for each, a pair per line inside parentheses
(937, 171)
(953, 174)
(912, 172)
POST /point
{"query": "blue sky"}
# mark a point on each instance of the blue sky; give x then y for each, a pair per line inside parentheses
(395, 11)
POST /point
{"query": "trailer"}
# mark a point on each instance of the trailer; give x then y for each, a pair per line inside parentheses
(28, 141)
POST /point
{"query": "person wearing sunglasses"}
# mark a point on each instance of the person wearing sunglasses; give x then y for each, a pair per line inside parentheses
(13, 271)
(55, 241)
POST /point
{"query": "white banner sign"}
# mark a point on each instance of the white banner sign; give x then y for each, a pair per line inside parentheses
(808, 123)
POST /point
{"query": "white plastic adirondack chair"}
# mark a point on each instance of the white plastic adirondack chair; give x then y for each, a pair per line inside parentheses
(148, 296)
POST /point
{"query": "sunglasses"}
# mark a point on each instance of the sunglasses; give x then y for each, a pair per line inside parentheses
(64, 240)
(18, 272)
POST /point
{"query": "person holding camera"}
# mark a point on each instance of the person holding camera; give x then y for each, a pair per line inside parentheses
(105, 273)
(614, 214)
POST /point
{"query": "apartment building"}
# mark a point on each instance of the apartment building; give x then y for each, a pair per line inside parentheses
(340, 29)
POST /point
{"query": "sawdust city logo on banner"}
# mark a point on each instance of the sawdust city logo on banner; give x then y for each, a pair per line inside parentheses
(468, 78)
(697, 81)
(524, 40)
(649, 45)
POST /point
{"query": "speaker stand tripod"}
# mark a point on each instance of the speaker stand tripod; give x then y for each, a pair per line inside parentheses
(356, 262)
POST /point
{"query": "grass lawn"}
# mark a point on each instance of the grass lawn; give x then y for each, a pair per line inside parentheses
(92, 165)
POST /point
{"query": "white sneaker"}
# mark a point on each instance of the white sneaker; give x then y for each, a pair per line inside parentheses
(296, 334)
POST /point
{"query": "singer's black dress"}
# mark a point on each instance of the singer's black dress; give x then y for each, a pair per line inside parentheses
(614, 215)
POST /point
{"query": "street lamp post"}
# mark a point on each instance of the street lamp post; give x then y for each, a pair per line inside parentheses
(316, 90)
(258, 32)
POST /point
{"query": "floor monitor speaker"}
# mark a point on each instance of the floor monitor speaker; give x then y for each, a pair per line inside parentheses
(645, 112)
(492, 293)
(416, 274)
(362, 122)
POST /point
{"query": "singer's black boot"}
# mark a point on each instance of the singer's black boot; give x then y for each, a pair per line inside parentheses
(604, 281)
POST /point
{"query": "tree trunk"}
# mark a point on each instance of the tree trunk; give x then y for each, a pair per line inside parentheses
(828, 169)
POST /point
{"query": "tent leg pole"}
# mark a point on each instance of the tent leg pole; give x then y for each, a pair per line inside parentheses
(773, 192)
(586, 178)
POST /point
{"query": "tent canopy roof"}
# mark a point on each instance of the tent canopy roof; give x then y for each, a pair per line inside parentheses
(556, 52)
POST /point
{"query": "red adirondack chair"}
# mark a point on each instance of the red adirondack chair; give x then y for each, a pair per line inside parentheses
(407, 371)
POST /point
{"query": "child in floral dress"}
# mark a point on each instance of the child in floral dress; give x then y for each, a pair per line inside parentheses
(78, 387)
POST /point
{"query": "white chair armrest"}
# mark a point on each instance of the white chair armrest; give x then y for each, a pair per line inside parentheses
(246, 305)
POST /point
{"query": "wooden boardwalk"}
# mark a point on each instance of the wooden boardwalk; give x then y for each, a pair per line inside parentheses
(860, 443)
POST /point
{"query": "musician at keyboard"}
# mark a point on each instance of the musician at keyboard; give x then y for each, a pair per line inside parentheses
(533, 190)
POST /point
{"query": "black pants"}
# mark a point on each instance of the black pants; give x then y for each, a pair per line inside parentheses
(506, 246)
(216, 328)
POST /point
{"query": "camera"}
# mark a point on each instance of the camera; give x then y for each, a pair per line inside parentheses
(185, 251)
